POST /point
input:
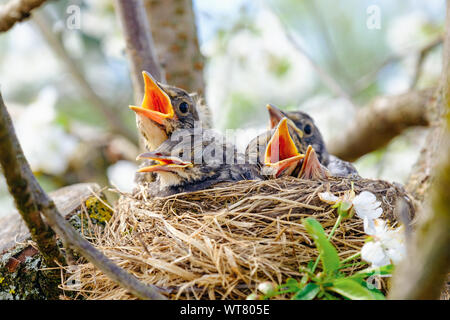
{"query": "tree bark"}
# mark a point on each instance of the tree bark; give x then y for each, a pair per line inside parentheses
(174, 31)
(22, 275)
(66, 199)
(377, 124)
(427, 264)
(421, 177)
(140, 47)
(32, 201)
(26, 192)
(16, 11)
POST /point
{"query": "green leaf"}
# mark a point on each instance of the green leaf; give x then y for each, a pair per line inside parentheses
(329, 296)
(381, 271)
(291, 285)
(309, 292)
(304, 280)
(352, 289)
(328, 254)
(378, 295)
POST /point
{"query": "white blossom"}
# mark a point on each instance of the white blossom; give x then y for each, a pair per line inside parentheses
(367, 208)
(374, 253)
(328, 197)
(121, 175)
(266, 287)
(365, 205)
(386, 247)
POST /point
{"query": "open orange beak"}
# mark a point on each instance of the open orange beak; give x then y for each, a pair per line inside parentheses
(156, 104)
(311, 167)
(281, 152)
(164, 162)
(275, 117)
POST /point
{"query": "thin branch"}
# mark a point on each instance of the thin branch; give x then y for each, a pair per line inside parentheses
(365, 81)
(326, 78)
(32, 201)
(16, 11)
(115, 123)
(325, 34)
(25, 192)
(140, 47)
(379, 122)
(423, 53)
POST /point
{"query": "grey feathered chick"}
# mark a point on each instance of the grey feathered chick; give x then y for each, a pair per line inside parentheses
(195, 160)
(313, 137)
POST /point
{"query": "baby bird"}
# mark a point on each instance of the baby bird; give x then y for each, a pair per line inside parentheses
(195, 160)
(283, 152)
(164, 110)
(313, 137)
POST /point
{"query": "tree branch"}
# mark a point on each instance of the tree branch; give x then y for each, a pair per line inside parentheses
(175, 37)
(16, 11)
(385, 118)
(427, 263)
(423, 53)
(31, 201)
(326, 78)
(111, 117)
(422, 273)
(366, 80)
(140, 47)
(26, 192)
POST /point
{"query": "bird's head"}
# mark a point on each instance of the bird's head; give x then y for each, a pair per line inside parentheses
(282, 157)
(164, 107)
(171, 170)
(181, 159)
(304, 123)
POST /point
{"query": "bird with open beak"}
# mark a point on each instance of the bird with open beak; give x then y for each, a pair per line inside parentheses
(164, 110)
(283, 152)
(312, 137)
(195, 161)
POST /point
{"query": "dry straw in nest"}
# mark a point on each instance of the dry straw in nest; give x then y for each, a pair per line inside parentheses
(221, 243)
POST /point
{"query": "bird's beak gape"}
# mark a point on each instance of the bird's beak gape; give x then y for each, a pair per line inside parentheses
(281, 152)
(311, 166)
(275, 117)
(156, 104)
(164, 162)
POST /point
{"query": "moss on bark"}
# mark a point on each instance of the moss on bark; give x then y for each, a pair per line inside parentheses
(21, 269)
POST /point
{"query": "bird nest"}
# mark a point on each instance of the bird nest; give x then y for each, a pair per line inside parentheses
(221, 243)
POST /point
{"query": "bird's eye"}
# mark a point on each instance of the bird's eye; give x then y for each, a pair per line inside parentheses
(183, 107)
(307, 129)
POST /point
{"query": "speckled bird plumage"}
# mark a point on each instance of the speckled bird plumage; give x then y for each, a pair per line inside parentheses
(189, 111)
(182, 120)
(211, 168)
